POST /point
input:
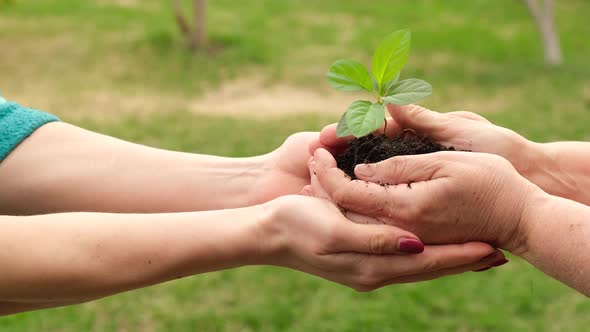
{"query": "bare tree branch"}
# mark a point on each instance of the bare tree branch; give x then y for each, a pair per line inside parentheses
(552, 49)
(533, 8)
(195, 37)
(181, 20)
(544, 19)
(198, 36)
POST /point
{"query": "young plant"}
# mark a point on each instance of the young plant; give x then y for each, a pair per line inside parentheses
(364, 117)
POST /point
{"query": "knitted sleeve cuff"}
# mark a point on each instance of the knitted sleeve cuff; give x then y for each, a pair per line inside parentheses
(17, 123)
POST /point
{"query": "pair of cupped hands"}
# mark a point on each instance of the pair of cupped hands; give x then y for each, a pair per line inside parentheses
(408, 218)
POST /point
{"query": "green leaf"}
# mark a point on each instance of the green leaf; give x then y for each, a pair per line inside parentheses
(349, 75)
(391, 56)
(407, 92)
(342, 129)
(387, 86)
(363, 117)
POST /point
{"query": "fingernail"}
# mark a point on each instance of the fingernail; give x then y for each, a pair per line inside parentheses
(490, 256)
(410, 246)
(365, 170)
(481, 270)
(499, 262)
(320, 154)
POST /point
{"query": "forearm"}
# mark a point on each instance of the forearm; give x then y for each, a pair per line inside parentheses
(64, 168)
(8, 308)
(75, 257)
(561, 168)
(557, 239)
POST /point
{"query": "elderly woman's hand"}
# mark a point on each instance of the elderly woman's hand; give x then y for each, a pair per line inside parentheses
(559, 168)
(462, 130)
(445, 197)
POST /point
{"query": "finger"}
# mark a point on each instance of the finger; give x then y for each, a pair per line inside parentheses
(306, 191)
(392, 129)
(316, 188)
(362, 219)
(417, 118)
(469, 116)
(328, 137)
(314, 145)
(375, 240)
(497, 258)
(331, 142)
(324, 158)
(317, 144)
(380, 270)
(359, 196)
(404, 169)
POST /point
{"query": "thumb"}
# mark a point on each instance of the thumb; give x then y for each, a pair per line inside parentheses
(402, 169)
(416, 117)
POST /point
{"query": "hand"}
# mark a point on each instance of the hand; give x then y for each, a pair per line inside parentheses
(311, 235)
(285, 169)
(462, 130)
(444, 197)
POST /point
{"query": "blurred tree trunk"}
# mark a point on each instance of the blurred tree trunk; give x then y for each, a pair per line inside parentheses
(544, 16)
(195, 36)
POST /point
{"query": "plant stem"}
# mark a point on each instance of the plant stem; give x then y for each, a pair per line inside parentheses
(377, 96)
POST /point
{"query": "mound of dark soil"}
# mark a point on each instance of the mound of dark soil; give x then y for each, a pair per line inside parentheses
(372, 149)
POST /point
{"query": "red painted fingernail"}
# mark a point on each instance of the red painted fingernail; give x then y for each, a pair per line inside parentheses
(491, 256)
(481, 270)
(410, 246)
(499, 263)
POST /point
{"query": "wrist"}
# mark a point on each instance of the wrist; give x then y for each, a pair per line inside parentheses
(232, 180)
(257, 171)
(530, 160)
(245, 174)
(534, 206)
(524, 154)
(271, 234)
(249, 247)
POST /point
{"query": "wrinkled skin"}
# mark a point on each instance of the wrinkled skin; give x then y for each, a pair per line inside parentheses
(445, 197)
(461, 130)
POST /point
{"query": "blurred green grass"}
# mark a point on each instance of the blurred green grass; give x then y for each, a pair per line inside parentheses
(482, 56)
(478, 54)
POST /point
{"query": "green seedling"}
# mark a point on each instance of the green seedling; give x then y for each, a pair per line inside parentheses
(364, 117)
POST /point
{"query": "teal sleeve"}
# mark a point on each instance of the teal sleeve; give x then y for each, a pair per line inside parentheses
(17, 123)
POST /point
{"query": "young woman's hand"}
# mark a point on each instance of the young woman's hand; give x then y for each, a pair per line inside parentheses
(86, 171)
(284, 170)
(311, 235)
